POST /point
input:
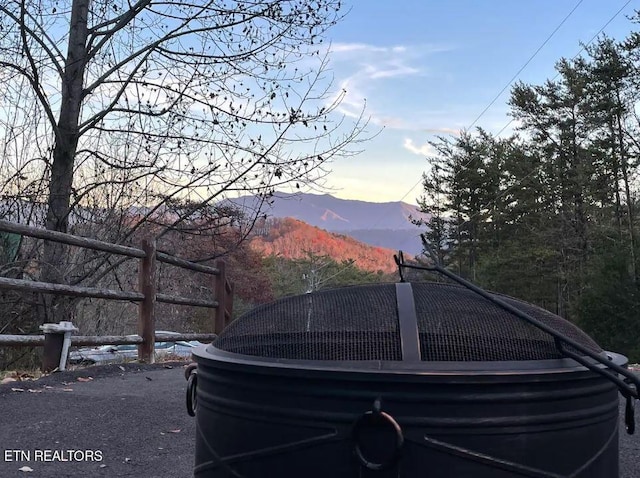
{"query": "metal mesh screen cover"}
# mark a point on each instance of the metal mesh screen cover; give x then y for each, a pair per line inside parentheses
(361, 323)
(352, 323)
(455, 323)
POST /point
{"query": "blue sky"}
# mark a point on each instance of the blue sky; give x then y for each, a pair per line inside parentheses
(427, 67)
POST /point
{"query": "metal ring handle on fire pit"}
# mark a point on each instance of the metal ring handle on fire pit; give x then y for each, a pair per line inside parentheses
(192, 392)
(376, 416)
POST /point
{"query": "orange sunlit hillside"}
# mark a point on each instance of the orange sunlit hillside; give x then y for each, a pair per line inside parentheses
(295, 239)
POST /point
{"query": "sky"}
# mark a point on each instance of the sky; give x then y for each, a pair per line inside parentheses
(431, 67)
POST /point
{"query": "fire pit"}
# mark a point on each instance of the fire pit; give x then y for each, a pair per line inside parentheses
(407, 379)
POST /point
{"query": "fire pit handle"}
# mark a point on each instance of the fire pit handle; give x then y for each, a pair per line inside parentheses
(630, 415)
(628, 387)
(192, 392)
(377, 416)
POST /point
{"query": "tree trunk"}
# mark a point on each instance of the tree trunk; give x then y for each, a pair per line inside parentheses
(627, 190)
(615, 166)
(55, 256)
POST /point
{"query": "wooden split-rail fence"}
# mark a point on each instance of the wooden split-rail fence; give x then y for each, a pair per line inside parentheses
(146, 296)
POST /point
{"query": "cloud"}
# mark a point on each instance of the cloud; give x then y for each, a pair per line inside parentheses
(352, 102)
(452, 131)
(360, 48)
(377, 76)
(370, 62)
(338, 48)
(366, 68)
(392, 70)
(392, 122)
(425, 150)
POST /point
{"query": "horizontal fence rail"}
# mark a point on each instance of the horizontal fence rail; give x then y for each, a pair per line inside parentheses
(70, 239)
(68, 290)
(192, 266)
(172, 299)
(146, 297)
(38, 340)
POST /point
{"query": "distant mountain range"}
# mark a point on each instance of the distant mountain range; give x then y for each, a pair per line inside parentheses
(385, 225)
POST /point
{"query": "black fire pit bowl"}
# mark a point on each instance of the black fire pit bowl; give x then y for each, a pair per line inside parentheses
(406, 380)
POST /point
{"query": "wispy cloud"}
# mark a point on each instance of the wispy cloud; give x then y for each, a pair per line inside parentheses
(353, 102)
(338, 48)
(425, 49)
(424, 150)
(365, 71)
(391, 70)
(452, 131)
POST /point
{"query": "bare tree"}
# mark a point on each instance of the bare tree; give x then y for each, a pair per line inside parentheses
(124, 105)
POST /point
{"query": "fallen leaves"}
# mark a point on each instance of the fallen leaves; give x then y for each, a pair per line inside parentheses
(66, 386)
(39, 390)
(175, 430)
(17, 376)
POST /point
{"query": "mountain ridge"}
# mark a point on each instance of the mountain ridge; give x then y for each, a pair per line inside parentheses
(386, 224)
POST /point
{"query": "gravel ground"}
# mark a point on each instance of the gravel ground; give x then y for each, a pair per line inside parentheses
(130, 422)
(122, 420)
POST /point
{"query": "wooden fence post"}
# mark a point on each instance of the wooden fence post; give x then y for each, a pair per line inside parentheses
(230, 287)
(146, 309)
(220, 291)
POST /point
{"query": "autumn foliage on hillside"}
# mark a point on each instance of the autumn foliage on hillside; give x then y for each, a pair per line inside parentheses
(244, 268)
(243, 265)
(293, 239)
